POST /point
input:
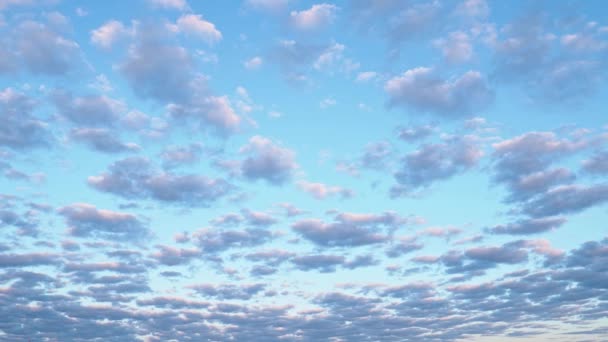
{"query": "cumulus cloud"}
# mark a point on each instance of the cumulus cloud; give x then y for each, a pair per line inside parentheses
(102, 140)
(529, 226)
(437, 161)
(421, 89)
(322, 191)
(456, 48)
(85, 220)
(44, 51)
(267, 161)
(253, 63)
(19, 128)
(349, 229)
(195, 25)
(92, 110)
(109, 33)
(316, 17)
(169, 4)
(135, 178)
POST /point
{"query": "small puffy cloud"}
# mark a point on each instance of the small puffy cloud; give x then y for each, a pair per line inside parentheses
(102, 140)
(213, 111)
(253, 63)
(437, 161)
(216, 241)
(134, 178)
(193, 24)
(423, 90)
(181, 155)
(267, 161)
(456, 48)
(92, 110)
(85, 220)
(268, 5)
(415, 133)
(597, 164)
(19, 129)
(473, 8)
(109, 33)
(529, 226)
(44, 51)
(169, 4)
(349, 229)
(316, 17)
(326, 103)
(365, 76)
(322, 191)
(566, 199)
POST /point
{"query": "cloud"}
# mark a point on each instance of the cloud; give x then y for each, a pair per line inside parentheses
(597, 164)
(322, 191)
(134, 178)
(267, 161)
(421, 89)
(91, 110)
(169, 4)
(44, 51)
(415, 133)
(171, 256)
(192, 24)
(349, 229)
(316, 17)
(529, 226)
(181, 155)
(456, 48)
(28, 259)
(228, 291)
(102, 140)
(19, 129)
(273, 6)
(253, 63)
(109, 33)
(85, 220)
(522, 162)
(216, 241)
(366, 76)
(566, 199)
(437, 161)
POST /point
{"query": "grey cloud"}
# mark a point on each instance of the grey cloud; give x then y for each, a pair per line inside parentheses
(322, 263)
(181, 155)
(529, 226)
(135, 178)
(44, 51)
(228, 291)
(421, 89)
(85, 220)
(215, 241)
(415, 133)
(597, 164)
(91, 110)
(19, 128)
(102, 140)
(437, 161)
(267, 161)
(28, 259)
(349, 229)
(566, 199)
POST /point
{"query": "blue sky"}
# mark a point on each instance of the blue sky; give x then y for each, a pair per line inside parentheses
(286, 170)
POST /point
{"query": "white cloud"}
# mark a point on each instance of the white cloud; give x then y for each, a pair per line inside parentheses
(109, 33)
(316, 17)
(195, 25)
(170, 4)
(253, 63)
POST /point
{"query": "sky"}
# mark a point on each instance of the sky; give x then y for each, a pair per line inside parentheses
(290, 170)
